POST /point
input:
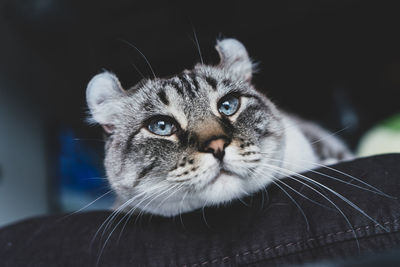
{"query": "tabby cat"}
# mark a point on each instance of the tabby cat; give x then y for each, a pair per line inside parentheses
(203, 137)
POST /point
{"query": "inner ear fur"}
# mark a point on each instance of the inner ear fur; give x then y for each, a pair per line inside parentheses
(234, 58)
(102, 89)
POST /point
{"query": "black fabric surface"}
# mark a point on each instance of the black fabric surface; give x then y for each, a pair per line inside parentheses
(265, 229)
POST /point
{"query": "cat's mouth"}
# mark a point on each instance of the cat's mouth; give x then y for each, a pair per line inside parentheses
(221, 172)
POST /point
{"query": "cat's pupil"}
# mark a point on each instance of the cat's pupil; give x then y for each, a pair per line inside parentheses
(161, 124)
(226, 105)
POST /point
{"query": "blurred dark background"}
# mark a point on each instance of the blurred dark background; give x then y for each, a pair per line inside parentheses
(334, 62)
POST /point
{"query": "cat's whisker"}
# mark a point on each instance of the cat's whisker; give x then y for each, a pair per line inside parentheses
(113, 215)
(121, 210)
(244, 203)
(203, 213)
(304, 196)
(152, 197)
(129, 214)
(329, 135)
(96, 178)
(375, 190)
(284, 171)
(115, 227)
(170, 195)
(132, 210)
(352, 177)
(332, 191)
(155, 197)
(296, 191)
(116, 211)
(88, 139)
(180, 207)
(87, 205)
(151, 215)
(274, 180)
(295, 202)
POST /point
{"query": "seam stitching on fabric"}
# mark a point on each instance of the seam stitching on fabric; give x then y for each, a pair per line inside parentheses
(257, 251)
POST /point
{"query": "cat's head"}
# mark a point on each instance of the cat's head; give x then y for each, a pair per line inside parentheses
(202, 137)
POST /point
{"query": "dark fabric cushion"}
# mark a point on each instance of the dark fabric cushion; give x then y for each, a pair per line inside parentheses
(264, 229)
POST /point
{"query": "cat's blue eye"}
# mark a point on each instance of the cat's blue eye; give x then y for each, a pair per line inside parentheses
(228, 105)
(161, 127)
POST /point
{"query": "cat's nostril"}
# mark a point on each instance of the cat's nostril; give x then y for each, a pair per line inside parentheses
(219, 154)
(217, 147)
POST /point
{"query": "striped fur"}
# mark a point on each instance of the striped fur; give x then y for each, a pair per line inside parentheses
(168, 175)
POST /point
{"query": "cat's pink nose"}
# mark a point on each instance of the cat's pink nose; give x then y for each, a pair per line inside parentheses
(217, 147)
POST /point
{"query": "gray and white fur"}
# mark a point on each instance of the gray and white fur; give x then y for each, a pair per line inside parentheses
(209, 158)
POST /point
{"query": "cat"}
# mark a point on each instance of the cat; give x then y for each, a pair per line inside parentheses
(201, 138)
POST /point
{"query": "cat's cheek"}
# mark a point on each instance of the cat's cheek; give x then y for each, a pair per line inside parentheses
(240, 160)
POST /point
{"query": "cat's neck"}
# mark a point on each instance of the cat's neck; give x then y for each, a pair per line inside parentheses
(298, 153)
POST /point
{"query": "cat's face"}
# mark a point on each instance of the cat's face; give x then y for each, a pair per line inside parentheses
(200, 138)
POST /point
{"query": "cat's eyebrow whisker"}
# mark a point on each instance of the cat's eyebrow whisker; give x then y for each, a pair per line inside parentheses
(140, 52)
(138, 71)
(197, 45)
(375, 190)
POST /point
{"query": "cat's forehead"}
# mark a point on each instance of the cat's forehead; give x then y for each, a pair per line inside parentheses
(190, 92)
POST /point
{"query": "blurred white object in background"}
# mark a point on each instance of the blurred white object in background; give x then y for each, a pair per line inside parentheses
(381, 139)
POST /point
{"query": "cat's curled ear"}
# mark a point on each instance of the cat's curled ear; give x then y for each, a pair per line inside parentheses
(101, 90)
(234, 58)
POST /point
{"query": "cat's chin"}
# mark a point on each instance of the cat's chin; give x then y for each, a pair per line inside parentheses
(224, 188)
(221, 189)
